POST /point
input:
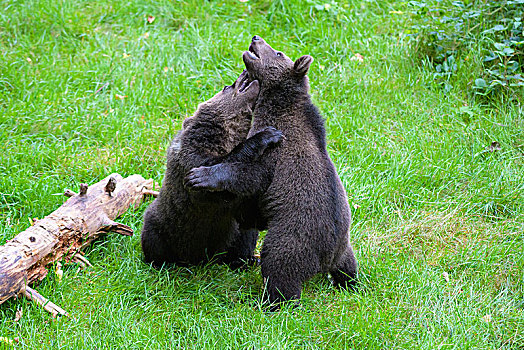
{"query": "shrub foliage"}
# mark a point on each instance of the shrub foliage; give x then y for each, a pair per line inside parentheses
(447, 33)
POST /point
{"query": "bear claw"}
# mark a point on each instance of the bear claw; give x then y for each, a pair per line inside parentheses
(201, 178)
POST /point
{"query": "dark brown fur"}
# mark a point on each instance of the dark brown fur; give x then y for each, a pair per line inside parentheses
(185, 227)
(305, 206)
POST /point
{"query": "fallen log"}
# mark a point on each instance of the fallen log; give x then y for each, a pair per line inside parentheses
(64, 232)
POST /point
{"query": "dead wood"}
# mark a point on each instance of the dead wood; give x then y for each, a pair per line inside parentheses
(151, 193)
(33, 295)
(61, 234)
(81, 260)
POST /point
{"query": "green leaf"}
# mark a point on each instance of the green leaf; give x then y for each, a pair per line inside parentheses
(466, 110)
(499, 46)
(492, 56)
(513, 66)
(496, 82)
(480, 83)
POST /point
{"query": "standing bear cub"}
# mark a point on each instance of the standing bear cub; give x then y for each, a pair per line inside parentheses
(185, 227)
(305, 206)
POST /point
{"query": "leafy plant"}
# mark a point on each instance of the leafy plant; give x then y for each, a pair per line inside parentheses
(444, 33)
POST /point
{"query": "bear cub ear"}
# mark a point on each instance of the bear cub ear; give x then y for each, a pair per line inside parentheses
(302, 64)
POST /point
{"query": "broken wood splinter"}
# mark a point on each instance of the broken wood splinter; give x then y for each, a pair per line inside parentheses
(69, 193)
(111, 185)
(117, 227)
(82, 260)
(38, 298)
(151, 193)
(83, 189)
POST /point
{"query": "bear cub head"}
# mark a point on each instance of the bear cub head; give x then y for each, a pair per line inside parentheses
(234, 100)
(224, 120)
(273, 67)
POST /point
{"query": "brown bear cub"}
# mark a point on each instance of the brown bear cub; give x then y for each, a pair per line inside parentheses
(305, 206)
(189, 228)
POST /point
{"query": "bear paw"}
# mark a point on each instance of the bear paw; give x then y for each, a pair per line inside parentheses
(271, 136)
(204, 178)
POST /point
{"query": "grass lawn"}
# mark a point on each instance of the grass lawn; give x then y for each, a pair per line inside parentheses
(88, 88)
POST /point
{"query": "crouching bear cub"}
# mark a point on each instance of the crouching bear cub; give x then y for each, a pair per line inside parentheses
(189, 228)
(305, 205)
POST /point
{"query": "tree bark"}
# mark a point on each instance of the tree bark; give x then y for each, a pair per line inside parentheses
(60, 235)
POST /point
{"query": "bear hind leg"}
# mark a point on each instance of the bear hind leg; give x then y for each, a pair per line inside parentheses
(284, 271)
(279, 291)
(240, 252)
(345, 271)
(156, 249)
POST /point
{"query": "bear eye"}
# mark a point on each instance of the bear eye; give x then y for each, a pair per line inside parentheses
(279, 54)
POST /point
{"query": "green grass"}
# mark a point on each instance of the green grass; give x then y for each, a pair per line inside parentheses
(427, 197)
